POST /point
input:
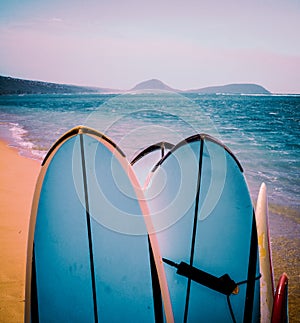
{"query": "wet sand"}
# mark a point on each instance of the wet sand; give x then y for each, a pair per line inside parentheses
(17, 181)
(285, 244)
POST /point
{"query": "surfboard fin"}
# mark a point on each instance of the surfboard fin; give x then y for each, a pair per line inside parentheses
(223, 284)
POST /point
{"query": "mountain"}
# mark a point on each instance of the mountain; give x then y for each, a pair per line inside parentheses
(232, 89)
(153, 84)
(9, 85)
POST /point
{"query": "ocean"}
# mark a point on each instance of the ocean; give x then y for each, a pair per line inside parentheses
(263, 131)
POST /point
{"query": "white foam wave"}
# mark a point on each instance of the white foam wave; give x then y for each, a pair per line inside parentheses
(19, 135)
(22, 143)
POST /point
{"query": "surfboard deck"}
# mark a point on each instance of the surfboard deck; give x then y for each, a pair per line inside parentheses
(265, 256)
(88, 254)
(205, 225)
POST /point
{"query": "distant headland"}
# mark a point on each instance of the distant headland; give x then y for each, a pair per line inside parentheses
(250, 88)
(9, 85)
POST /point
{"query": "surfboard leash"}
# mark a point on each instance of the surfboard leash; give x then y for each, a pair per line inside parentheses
(223, 284)
(228, 297)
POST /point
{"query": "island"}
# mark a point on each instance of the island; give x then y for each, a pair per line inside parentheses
(247, 88)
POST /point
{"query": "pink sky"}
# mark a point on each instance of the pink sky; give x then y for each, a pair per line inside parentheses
(187, 44)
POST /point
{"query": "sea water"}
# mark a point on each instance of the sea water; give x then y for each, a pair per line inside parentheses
(263, 132)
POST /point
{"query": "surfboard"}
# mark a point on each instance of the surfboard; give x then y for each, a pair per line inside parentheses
(280, 307)
(146, 159)
(265, 259)
(204, 221)
(88, 254)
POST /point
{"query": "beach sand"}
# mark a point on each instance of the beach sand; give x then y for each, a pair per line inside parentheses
(18, 176)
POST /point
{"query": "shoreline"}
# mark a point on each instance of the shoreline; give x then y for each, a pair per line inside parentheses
(18, 176)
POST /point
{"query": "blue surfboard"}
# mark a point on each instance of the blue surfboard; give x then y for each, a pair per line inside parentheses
(205, 225)
(146, 159)
(88, 253)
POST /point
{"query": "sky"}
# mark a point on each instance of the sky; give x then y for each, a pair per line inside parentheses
(187, 44)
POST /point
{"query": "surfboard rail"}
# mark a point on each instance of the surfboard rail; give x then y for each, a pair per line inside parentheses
(200, 136)
(162, 146)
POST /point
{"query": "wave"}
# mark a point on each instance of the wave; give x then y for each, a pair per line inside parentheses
(19, 139)
(19, 135)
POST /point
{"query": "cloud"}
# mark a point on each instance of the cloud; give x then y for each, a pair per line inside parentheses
(55, 19)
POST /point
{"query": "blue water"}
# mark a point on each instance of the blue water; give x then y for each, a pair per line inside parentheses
(262, 131)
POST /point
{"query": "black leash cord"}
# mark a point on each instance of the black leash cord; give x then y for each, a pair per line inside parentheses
(228, 298)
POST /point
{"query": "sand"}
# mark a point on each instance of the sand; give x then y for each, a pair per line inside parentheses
(18, 176)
